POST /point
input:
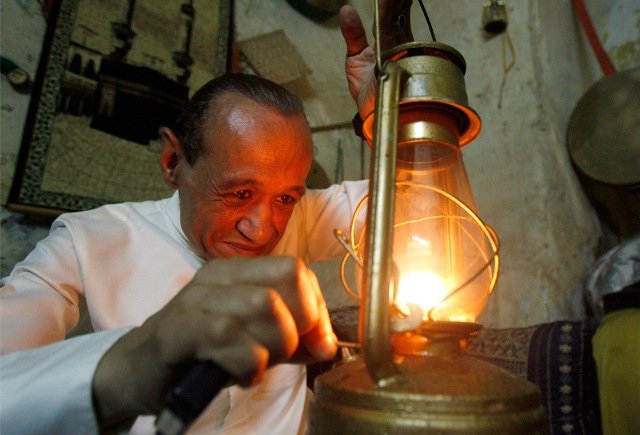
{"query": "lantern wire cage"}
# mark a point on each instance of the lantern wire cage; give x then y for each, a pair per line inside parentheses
(353, 245)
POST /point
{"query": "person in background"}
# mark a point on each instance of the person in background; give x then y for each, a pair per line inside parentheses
(217, 272)
(613, 294)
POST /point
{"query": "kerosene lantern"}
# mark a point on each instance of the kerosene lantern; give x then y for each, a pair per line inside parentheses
(428, 266)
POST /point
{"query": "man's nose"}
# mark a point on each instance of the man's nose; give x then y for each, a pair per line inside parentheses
(257, 224)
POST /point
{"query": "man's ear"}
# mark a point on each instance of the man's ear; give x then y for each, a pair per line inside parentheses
(170, 157)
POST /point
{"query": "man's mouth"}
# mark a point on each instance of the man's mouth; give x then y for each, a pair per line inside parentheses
(244, 250)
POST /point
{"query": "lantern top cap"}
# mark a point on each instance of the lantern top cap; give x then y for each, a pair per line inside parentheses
(421, 48)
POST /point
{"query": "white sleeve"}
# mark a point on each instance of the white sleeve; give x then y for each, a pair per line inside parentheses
(49, 389)
(329, 209)
(39, 300)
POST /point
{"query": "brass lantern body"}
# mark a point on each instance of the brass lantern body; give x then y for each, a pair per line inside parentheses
(452, 394)
(421, 382)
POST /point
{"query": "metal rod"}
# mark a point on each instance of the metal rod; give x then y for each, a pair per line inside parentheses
(375, 328)
(376, 21)
(342, 239)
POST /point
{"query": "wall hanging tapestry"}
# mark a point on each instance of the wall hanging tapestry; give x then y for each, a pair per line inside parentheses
(111, 73)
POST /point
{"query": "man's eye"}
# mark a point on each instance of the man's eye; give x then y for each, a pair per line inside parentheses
(242, 194)
(287, 199)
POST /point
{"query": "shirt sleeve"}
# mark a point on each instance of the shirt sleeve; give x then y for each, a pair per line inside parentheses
(330, 209)
(39, 300)
(49, 389)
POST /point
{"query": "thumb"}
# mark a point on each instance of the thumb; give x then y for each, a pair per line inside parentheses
(352, 30)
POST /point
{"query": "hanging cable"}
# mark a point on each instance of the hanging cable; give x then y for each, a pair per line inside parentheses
(506, 67)
(426, 16)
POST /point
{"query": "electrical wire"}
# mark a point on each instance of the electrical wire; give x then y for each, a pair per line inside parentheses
(506, 67)
(426, 16)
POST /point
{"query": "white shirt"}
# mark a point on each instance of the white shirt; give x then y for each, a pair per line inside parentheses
(128, 260)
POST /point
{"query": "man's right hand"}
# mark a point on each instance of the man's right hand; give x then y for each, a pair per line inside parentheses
(242, 314)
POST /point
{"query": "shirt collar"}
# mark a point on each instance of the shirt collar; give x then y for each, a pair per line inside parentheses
(172, 210)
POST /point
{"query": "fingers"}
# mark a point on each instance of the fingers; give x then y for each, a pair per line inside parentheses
(294, 282)
(298, 287)
(319, 341)
(245, 317)
(277, 301)
(227, 323)
(240, 354)
(395, 26)
(352, 30)
(395, 29)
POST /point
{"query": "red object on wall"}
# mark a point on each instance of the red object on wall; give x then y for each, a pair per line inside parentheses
(594, 40)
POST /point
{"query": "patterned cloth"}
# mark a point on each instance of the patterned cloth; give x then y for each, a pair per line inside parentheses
(557, 357)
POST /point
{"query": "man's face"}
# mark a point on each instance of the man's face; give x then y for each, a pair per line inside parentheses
(237, 198)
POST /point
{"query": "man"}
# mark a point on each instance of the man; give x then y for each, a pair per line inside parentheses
(166, 282)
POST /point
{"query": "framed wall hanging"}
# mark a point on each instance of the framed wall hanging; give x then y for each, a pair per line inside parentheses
(111, 73)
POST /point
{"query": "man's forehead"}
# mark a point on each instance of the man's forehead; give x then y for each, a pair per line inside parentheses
(240, 114)
(239, 111)
(226, 103)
